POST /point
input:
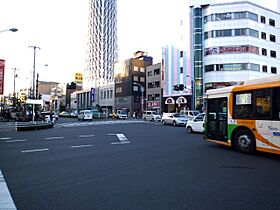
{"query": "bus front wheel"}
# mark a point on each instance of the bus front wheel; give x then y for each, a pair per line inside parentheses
(244, 141)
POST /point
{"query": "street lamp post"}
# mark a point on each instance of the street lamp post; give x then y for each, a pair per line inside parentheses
(34, 59)
(15, 75)
(142, 96)
(10, 29)
(33, 88)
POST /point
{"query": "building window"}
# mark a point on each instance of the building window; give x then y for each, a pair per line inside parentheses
(142, 69)
(272, 38)
(153, 84)
(111, 93)
(273, 70)
(252, 16)
(239, 15)
(264, 68)
(135, 78)
(271, 22)
(119, 90)
(263, 35)
(142, 79)
(264, 52)
(262, 19)
(104, 94)
(156, 72)
(240, 32)
(101, 93)
(181, 70)
(253, 33)
(135, 68)
(150, 73)
(181, 54)
(209, 68)
(273, 53)
(135, 88)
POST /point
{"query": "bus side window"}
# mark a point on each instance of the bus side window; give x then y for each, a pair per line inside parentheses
(263, 103)
(276, 104)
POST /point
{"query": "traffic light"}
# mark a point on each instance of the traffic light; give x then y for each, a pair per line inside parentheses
(176, 87)
(179, 87)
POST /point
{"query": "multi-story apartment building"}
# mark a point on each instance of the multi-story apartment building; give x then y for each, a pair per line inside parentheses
(101, 53)
(230, 43)
(153, 88)
(130, 82)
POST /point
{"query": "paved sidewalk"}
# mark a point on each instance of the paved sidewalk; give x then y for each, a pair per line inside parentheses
(6, 201)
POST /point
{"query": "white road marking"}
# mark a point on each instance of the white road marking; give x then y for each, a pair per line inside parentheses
(121, 137)
(86, 136)
(35, 150)
(5, 138)
(55, 137)
(122, 142)
(83, 145)
(6, 201)
(14, 141)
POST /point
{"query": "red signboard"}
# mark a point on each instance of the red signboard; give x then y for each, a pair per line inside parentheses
(2, 71)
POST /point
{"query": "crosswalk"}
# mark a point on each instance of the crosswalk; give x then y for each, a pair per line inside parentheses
(89, 123)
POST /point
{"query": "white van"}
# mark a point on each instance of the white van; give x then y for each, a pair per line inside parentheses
(85, 115)
(151, 116)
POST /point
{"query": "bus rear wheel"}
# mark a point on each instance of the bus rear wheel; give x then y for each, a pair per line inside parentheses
(244, 141)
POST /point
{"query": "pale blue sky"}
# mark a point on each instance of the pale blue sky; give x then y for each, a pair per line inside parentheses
(59, 28)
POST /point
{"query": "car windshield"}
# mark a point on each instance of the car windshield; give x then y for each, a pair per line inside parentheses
(179, 115)
(155, 113)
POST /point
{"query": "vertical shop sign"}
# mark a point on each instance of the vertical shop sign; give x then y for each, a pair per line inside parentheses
(92, 90)
(2, 71)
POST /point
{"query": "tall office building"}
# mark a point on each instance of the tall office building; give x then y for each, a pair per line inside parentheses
(231, 42)
(101, 52)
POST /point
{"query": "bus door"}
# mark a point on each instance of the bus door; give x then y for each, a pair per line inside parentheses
(217, 112)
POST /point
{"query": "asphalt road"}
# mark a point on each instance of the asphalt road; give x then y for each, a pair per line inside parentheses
(146, 166)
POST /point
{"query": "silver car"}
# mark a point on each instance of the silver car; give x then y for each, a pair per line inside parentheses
(174, 119)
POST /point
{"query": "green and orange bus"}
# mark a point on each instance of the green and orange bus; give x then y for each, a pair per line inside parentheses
(246, 117)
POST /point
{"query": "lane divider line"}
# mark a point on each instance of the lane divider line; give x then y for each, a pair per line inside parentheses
(35, 150)
(14, 141)
(55, 137)
(83, 145)
(86, 136)
(5, 138)
(6, 201)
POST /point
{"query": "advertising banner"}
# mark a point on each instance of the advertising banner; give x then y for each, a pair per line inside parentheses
(92, 93)
(2, 73)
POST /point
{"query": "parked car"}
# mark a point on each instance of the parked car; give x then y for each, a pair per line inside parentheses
(196, 124)
(85, 115)
(189, 113)
(174, 119)
(64, 114)
(151, 116)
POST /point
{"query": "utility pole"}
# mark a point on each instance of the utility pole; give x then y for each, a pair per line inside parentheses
(33, 87)
(14, 98)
